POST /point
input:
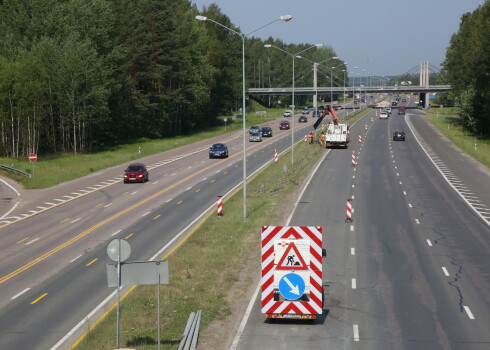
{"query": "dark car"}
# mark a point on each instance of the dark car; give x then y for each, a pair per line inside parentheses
(218, 150)
(136, 173)
(284, 125)
(399, 136)
(266, 131)
(254, 128)
(303, 119)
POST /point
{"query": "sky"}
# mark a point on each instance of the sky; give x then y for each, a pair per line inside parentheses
(384, 37)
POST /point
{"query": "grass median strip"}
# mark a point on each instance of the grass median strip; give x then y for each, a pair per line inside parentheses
(213, 268)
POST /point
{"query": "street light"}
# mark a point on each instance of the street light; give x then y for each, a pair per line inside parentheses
(292, 94)
(331, 80)
(285, 18)
(343, 70)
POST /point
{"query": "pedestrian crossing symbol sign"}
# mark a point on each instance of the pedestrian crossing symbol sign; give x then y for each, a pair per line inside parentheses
(292, 254)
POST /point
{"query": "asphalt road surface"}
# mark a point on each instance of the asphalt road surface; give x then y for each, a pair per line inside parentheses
(53, 244)
(412, 269)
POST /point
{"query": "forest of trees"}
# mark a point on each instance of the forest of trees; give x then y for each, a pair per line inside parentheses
(467, 69)
(78, 75)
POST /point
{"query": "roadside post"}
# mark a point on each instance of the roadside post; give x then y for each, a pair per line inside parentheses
(225, 120)
(33, 158)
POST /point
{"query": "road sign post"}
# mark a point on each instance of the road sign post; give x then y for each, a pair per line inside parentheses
(32, 158)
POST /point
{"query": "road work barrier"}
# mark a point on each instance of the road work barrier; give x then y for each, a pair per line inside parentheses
(220, 206)
(276, 157)
(353, 158)
(348, 213)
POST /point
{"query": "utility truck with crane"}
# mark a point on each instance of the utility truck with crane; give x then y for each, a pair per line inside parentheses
(333, 134)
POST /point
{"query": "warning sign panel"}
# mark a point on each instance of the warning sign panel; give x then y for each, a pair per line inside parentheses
(292, 254)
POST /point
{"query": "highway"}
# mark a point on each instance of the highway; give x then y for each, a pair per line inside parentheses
(53, 258)
(411, 270)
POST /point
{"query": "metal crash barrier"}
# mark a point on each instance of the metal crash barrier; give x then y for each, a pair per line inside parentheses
(191, 332)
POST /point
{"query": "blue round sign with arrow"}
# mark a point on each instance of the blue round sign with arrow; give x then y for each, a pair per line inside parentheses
(292, 286)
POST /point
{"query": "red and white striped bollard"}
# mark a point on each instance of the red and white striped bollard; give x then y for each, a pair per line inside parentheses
(276, 158)
(220, 206)
(353, 158)
(348, 213)
(360, 138)
(365, 126)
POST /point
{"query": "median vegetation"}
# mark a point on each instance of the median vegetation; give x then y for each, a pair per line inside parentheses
(219, 276)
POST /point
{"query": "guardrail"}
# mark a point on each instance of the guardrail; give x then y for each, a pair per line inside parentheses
(191, 332)
(4, 167)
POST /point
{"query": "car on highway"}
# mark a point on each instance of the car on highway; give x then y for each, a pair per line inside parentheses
(401, 110)
(383, 115)
(266, 131)
(284, 125)
(303, 119)
(305, 111)
(388, 110)
(254, 128)
(288, 113)
(218, 150)
(337, 107)
(136, 172)
(399, 136)
(255, 136)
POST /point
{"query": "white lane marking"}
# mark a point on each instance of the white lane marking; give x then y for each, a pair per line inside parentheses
(353, 197)
(397, 174)
(75, 220)
(59, 200)
(76, 193)
(410, 205)
(134, 192)
(429, 243)
(352, 227)
(42, 208)
(107, 205)
(352, 185)
(168, 200)
(173, 174)
(353, 283)
(69, 197)
(355, 329)
(417, 221)
(353, 176)
(204, 179)
(13, 189)
(35, 239)
(405, 193)
(74, 259)
(32, 211)
(48, 203)
(445, 271)
(189, 188)
(468, 311)
(146, 213)
(19, 294)
(401, 183)
(353, 251)
(115, 233)
(91, 188)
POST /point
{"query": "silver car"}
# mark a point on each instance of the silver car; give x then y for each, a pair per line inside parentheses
(255, 136)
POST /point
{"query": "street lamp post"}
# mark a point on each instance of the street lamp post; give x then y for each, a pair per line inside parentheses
(343, 70)
(292, 92)
(331, 80)
(285, 18)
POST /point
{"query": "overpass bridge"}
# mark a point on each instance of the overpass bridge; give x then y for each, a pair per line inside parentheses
(423, 89)
(349, 89)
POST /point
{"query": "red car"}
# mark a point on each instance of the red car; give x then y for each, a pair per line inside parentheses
(284, 125)
(136, 173)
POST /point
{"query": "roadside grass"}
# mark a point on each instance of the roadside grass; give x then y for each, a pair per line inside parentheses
(57, 168)
(447, 121)
(208, 265)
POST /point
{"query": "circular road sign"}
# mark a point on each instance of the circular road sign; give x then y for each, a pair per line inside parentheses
(292, 286)
(118, 248)
(32, 157)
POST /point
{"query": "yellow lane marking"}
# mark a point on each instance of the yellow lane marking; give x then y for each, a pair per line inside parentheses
(213, 180)
(198, 190)
(64, 220)
(179, 202)
(98, 205)
(35, 301)
(109, 219)
(104, 315)
(22, 240)
(90, 263)
(125, 193)
(225, 173)
(156, 217)
(129, 236)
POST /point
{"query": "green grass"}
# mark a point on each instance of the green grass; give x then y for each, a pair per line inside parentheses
(54, 169)
(447, 121)
(200, 281)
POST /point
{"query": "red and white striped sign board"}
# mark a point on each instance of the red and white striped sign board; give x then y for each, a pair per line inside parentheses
(275, 241)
